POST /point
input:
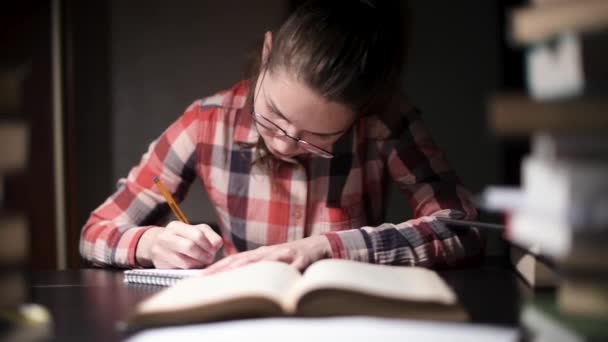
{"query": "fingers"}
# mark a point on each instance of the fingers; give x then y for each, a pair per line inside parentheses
(173, 251)
(300, 263)
(201, 234)
(286, 255)
(272, 253)
(178, 260)
(185, 246)
(298, 254)
(192, 250)
(233, 262)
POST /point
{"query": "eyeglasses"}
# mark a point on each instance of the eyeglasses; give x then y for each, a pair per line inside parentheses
(270, 128)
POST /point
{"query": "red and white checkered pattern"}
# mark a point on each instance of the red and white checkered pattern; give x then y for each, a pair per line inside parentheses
(342, 198)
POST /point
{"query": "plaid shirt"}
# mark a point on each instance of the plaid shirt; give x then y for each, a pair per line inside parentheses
(214, 141)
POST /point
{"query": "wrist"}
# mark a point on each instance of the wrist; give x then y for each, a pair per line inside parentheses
(322, 246)
(143, 250)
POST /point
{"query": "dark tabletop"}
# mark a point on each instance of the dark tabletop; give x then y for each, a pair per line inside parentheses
(89, 304)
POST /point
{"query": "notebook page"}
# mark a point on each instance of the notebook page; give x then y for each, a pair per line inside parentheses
(161, 277)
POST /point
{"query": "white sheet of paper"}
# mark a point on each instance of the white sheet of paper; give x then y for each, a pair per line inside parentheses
(350, 329)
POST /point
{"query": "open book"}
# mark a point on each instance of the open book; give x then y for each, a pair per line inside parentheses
(327, 288)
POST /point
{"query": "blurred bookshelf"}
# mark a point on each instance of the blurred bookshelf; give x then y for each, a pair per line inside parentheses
(556, 218)
(20, 320)
(26, 96)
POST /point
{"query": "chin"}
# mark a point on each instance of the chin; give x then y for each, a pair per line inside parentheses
(281, 155)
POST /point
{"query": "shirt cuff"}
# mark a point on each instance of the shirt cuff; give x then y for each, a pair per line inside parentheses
(127, 246)
(350, 244)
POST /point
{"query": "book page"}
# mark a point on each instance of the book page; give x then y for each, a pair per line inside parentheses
(399, 282)
(264, 279)
(351, 329)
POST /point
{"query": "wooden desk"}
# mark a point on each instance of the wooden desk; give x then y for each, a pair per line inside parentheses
(87, 304)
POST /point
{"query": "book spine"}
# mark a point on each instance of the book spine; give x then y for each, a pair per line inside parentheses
(578, 190)
(14, 228)
(568, 66)
(14, 142)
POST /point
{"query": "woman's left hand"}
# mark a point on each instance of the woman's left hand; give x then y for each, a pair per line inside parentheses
(300, 254)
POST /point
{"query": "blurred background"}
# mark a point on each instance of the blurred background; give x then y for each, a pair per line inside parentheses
(97, 81)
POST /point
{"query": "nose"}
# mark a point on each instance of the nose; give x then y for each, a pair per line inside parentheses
(285, 145)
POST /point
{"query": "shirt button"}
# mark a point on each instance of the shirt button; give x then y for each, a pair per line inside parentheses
(297, 214)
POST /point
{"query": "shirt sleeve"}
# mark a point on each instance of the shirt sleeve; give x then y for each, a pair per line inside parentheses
(422, 172)
(112, 231)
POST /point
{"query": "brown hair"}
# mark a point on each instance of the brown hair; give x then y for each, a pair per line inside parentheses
(350, 52)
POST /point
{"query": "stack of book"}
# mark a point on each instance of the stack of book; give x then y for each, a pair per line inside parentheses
(559, 214)
(19, 319)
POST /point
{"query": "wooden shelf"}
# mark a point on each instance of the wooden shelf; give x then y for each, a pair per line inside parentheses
(536, 23)
(516, 114)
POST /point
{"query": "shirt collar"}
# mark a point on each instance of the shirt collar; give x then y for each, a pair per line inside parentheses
(245, 132)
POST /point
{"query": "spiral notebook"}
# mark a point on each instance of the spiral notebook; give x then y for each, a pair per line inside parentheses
(160, 277)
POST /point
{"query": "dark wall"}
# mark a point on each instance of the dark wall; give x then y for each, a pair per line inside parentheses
(88, 119)
(453, 65)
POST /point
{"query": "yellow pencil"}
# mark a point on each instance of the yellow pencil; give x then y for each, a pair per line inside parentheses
(172, 204)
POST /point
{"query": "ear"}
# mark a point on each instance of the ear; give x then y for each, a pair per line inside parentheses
(267, 46)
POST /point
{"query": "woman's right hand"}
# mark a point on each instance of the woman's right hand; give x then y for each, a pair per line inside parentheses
(179, 245)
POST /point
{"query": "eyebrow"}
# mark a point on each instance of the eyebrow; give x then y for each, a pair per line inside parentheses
(274, 108)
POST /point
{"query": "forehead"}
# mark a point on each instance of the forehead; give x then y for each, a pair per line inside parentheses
(302, 106)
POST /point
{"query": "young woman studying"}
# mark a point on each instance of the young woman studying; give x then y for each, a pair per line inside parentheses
(297, 160)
